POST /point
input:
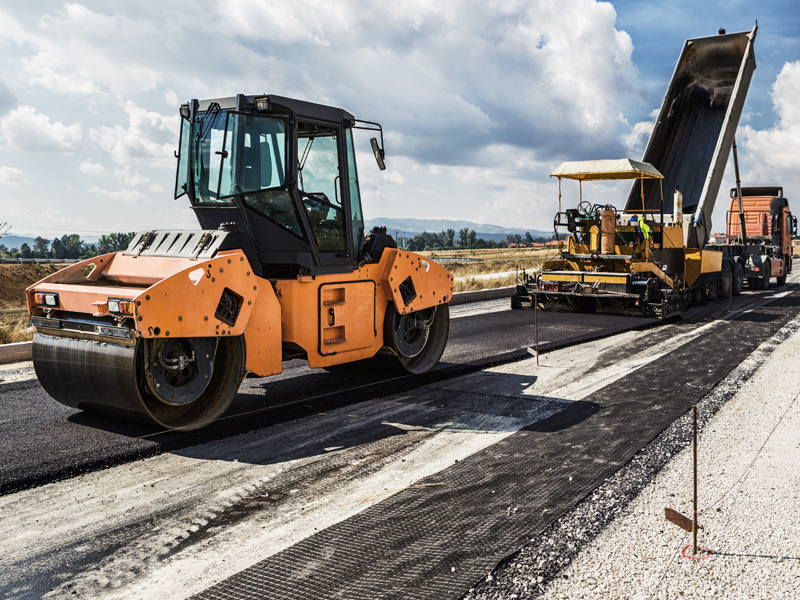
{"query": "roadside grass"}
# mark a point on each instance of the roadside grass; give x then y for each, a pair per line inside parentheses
(490, 254)
(15, 328)
(485, 268)
(472, 285)
(465, 263)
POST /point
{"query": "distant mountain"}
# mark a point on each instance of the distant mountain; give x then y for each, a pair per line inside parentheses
(411, 227)
(15, 241)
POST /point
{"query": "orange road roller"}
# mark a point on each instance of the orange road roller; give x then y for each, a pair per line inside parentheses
(165, 331)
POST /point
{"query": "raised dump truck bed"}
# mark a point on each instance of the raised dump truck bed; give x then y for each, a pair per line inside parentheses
(692, 137)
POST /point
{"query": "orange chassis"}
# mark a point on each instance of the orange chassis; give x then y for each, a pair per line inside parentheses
(333, 318)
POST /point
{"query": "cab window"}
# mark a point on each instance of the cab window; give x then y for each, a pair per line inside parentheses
(319, 185)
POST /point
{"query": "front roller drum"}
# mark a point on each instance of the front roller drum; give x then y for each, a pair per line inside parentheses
(118, 380)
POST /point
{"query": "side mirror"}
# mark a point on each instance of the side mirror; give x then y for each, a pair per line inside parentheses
(794, 226)
(379, 154)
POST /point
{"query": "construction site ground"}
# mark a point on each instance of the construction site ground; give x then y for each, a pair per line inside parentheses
(392, 489)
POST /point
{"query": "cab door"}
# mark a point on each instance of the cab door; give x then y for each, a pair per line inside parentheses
(323, 189)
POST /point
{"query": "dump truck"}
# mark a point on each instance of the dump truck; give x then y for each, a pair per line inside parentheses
(164, 331)
(652, 256)
(758, 238)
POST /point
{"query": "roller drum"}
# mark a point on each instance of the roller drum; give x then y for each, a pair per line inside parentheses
(107, 378)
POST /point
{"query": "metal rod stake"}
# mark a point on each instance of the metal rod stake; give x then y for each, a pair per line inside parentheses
(536, 327)
(694, 456)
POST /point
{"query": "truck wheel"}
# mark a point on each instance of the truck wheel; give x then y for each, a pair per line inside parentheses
(711, 290)
(782, 279)
(726, 280)
(762, 283)
(738, 278)
(417, 339)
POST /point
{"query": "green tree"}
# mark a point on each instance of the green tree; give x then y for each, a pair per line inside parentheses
(114, 242)
(88, 250)
(528, 237)
(41, 247)
(67, 246)
(471, 237)
(450, 238)
(463, 236)
(416, 243)
(25, 251)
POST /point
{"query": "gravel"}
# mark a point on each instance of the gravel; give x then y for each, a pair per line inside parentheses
(617, 543)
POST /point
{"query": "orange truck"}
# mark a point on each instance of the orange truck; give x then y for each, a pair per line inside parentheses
(164, 331)
(759, 234)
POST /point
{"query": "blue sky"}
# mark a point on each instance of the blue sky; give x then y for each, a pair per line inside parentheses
(479, 100)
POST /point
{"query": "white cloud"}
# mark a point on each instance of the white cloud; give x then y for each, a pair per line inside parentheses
(130, 179)
(25, 129)
(35, 219)
(9, 176)
(773, 154)
(479, 100)
(12, 29)
(455, 77)
(150, 137)
(91, 168)
(121, 195)
(299, 22)
(82, 52)
(636, 140)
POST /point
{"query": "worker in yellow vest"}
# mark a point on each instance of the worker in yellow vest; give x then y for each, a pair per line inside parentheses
(642, 229)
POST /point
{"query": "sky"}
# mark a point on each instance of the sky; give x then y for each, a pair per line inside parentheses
(479, 100)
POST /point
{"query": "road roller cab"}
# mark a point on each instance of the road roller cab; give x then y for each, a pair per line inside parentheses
(165, 330)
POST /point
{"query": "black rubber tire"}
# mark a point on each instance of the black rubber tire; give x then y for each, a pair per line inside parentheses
(782, 279)
(738, 278)
(711, 290)
(762, 283)
(726, 280)
(437, 334)
(696, 296)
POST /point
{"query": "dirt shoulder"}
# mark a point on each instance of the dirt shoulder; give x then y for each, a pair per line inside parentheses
(15, 279)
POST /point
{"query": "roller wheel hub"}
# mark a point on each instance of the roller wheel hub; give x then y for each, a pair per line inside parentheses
(412, 332)
(179, 370)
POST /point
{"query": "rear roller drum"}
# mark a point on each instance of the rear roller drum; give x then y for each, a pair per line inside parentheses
(177, 384)
(417, 339)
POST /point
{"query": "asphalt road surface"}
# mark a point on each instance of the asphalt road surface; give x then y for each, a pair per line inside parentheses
(44, 441)
(345, 484)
